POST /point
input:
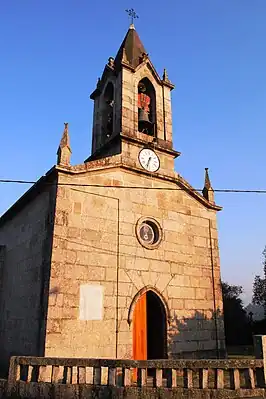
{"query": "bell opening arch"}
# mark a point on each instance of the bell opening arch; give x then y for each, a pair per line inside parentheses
(146, 107)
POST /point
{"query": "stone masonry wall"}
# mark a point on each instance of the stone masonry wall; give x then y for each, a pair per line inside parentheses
(24, 238)
(130, 157)
(86, 251)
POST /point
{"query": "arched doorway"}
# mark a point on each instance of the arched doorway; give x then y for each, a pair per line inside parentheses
(149, 328)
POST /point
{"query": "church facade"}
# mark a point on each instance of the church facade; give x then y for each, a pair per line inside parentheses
(116, 257)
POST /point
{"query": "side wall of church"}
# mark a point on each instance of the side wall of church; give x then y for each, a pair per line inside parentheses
(23, 238)
(88, 250)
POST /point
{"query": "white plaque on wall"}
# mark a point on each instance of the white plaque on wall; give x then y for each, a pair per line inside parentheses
(91, 302)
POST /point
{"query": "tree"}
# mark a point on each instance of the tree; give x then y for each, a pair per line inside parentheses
(236, 323)
(259, 286)
(232, 292)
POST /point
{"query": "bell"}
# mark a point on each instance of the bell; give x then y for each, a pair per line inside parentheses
(145, 125)
(143, 116)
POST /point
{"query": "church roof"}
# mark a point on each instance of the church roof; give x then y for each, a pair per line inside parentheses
(131, 49)
(131, 54)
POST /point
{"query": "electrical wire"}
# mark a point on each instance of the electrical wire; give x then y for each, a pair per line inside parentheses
(133, 187)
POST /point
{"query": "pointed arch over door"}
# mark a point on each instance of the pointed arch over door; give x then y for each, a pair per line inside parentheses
(138, 295)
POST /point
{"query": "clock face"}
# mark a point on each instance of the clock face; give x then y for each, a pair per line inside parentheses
(149, 160)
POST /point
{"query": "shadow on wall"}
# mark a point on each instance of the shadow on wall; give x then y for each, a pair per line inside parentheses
(199, 336)
(4, 357)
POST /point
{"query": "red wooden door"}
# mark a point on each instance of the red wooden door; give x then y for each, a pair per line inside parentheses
(140, 331)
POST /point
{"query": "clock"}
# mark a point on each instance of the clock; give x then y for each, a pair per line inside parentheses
(149, 160)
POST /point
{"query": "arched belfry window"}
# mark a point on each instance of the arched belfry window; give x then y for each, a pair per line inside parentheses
(146, 107)
(108, 110)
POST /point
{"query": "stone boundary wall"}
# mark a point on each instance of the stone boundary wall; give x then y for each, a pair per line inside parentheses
(42, 390)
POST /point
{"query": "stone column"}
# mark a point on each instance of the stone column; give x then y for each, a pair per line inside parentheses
(259, 342)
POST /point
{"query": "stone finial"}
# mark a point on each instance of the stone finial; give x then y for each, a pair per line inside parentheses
(124, 56)
(64, 150)
(207, 181)
(207, 191)
(111, 62)
(98, 83)
(166, 81)
(144, 57)
(165, 76)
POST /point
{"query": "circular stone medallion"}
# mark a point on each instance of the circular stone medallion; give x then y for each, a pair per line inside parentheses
(146, 233)
(149, 232)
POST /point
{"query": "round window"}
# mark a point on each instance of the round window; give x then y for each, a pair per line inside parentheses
(149, 232)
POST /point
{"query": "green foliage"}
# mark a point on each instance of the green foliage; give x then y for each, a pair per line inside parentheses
(236, 325)
(231, 291)
(259, 292)
(259, 286)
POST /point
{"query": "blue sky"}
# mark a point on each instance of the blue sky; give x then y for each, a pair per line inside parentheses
(215, 52)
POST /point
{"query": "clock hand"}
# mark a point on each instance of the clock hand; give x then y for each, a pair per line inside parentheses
(149, 160)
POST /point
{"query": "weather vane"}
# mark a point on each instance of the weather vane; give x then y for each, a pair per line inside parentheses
(132, 14)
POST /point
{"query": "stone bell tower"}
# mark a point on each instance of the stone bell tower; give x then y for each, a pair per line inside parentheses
(132, 106)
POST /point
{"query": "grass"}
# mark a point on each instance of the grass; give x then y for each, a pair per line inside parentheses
(240, 352)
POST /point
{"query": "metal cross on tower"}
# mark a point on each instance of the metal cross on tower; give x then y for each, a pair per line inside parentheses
(132, 14)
